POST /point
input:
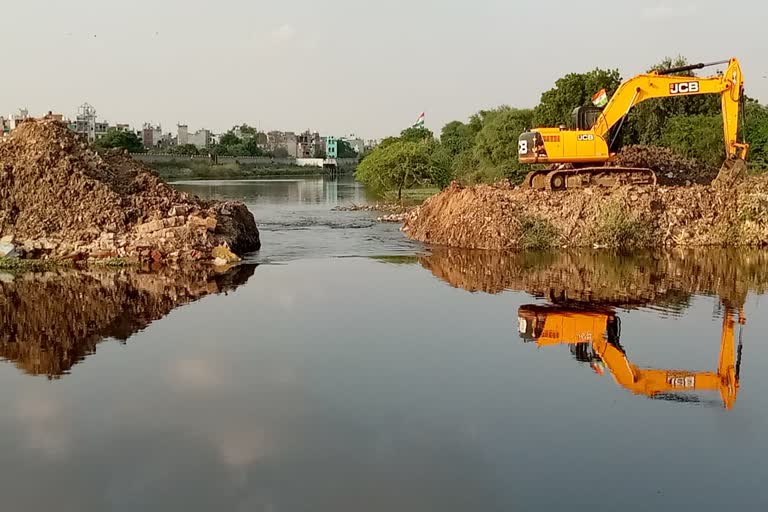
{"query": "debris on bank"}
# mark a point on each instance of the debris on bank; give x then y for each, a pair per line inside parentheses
(502, 216)
(60, 200)
(378, 207)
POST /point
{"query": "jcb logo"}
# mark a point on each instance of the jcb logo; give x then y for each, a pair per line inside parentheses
(684, 88)
(522, 147)
(585, 136)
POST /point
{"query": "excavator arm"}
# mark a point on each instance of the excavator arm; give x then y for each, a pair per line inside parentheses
(655, 382)
(661, 84)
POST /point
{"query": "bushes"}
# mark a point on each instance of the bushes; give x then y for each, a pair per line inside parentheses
(537, 233)
(618, 228)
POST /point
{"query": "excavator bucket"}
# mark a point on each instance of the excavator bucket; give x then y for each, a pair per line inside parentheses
(732, 172)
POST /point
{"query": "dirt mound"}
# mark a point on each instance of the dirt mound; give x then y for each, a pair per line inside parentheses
(58, 198)
(670, 167)
(51, 321)
(504, 217)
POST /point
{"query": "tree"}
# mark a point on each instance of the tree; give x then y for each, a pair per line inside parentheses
(185, 149)
(345, 149)
(696, 136)
(496, 144)
(571, 91)
(280, 152)
(458, 137)
(646, 122)
(441, 162)
(399, 165)
(229, 139)
(318, 152)
(120, 139)
(417, 134)
(248, 130)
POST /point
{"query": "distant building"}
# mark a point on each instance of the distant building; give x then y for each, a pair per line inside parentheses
(356, 143)
(182, 135)
(151, 136)
(309, 144)
(88, 125)
(283, 140)
(200, 139)
(331, 147)
(13, 120)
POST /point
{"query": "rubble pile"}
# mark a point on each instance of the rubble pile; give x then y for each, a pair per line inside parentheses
(670, 167)
(496, 216)
(60, 199)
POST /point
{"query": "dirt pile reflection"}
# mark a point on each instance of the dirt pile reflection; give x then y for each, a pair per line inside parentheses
(51, 321)
(597, 277)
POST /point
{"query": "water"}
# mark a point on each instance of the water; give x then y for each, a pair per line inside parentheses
(397, 379)
(296, 220)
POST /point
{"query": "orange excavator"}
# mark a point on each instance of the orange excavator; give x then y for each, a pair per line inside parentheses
(581, 155)
(593, 335)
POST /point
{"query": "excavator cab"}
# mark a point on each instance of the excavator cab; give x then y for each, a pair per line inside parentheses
(584, 118)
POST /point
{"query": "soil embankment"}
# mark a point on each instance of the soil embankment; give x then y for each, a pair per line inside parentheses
(506, 217)
(60, 199)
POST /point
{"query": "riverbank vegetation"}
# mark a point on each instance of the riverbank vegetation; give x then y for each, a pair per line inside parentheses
(484, 148)
(205, 169)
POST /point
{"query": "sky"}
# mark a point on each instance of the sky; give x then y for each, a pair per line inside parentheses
(342, 66)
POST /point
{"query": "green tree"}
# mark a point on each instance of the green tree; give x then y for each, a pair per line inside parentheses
(280, 152)
(399, 165)
(345, 150)
(185, 149)
(695, 136)
(120, 139)
(441, 162)
(646, 122)
(248, 130)
(229, 139)
(457, 137)
(417, 134)
(571, 91)
(756, 133)
(496, 144)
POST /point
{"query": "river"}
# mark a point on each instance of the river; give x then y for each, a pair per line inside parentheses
(346, 368)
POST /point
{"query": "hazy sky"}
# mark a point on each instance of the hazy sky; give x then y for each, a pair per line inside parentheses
(343, 66)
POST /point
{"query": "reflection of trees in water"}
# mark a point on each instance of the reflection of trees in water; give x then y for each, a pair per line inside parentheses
(665, 279)
(51, 321)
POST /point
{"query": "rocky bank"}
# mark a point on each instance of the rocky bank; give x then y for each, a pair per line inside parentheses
(59, 199)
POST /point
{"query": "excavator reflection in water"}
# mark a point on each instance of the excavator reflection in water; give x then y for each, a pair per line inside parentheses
(593, 336)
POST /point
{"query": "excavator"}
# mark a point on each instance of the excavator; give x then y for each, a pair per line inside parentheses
(581, 155)
(593, 335)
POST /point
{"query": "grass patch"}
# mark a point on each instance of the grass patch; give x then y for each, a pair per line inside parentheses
(412, 195)
(537, 234)
(618, 228)
(17, 265)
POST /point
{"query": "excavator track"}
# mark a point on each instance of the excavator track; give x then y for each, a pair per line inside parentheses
(562, 179)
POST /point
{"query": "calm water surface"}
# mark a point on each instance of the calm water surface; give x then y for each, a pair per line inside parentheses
(345, 368)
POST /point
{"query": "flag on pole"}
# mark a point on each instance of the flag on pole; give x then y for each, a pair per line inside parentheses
(420, 121)
(600, 99)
